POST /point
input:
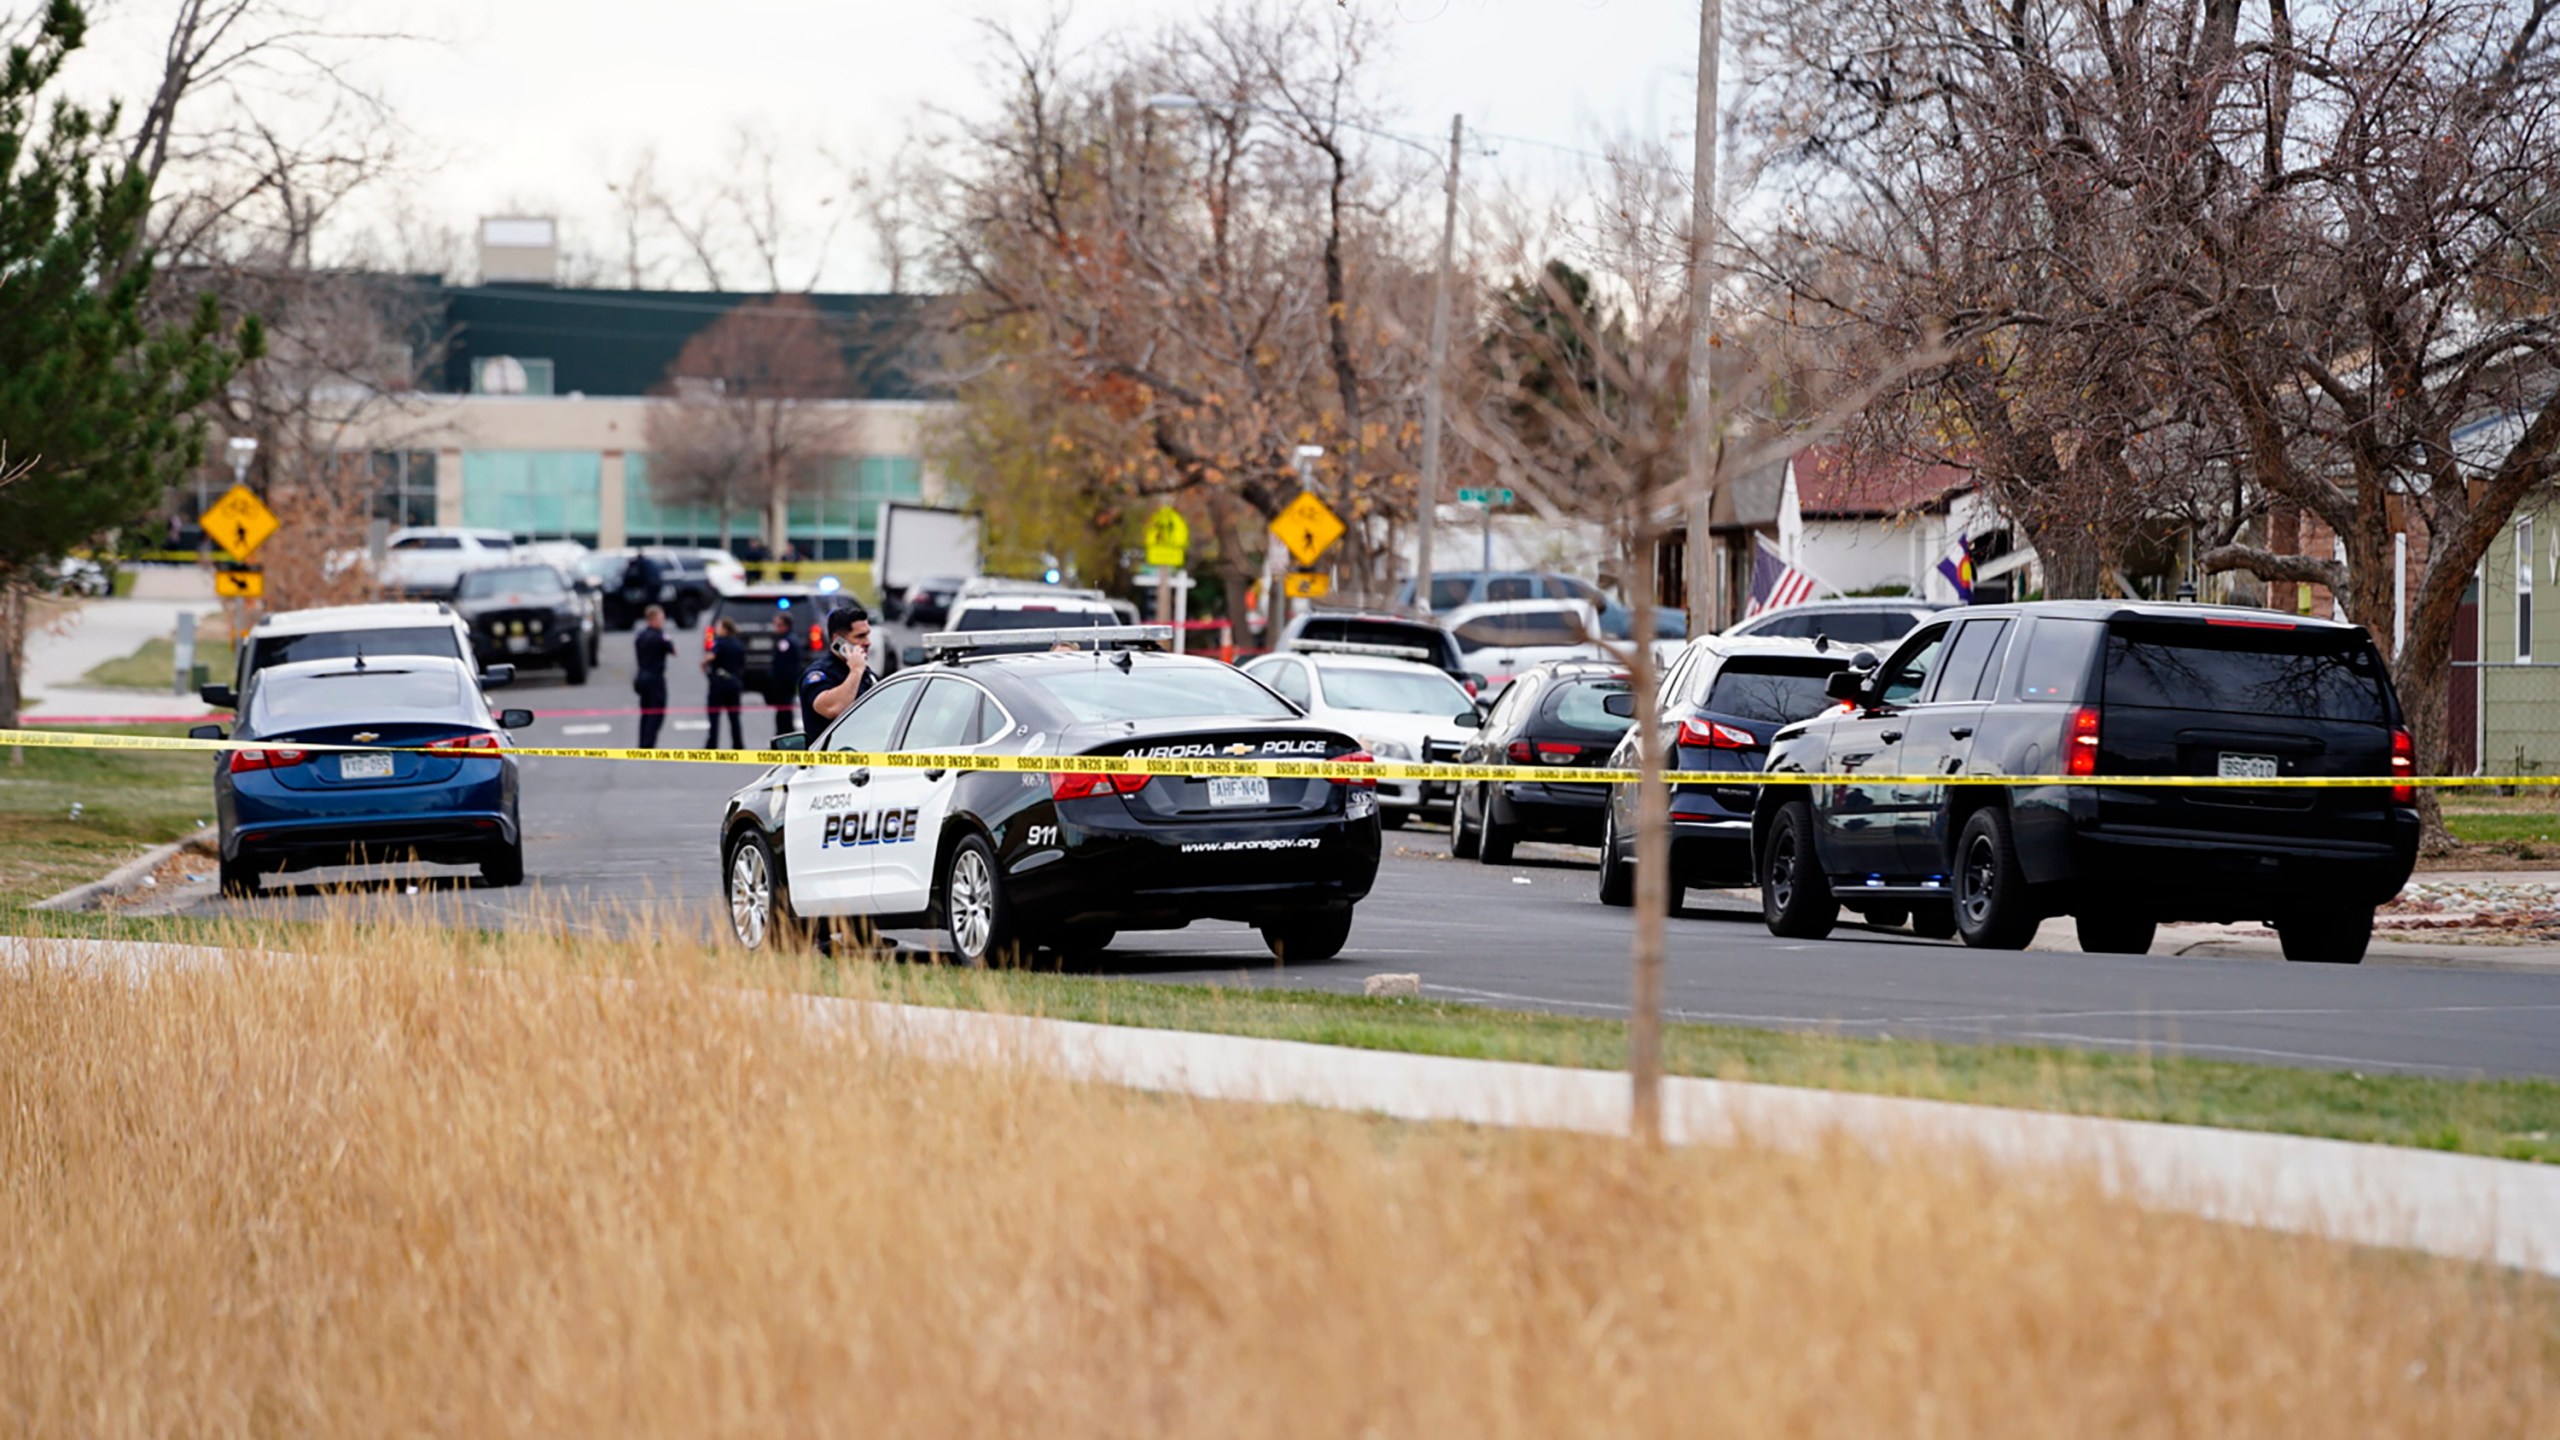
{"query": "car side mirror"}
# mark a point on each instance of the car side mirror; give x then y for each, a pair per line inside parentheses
(514, 719)
(1477, 680)
(1864, 660)
(220, 697)
(912, 655)
(205, 732)
(1468, 719)
(497, 677)
(1621, 704)
(789, 740)
(1849, 685)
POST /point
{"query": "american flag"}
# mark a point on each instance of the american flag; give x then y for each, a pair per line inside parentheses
(1775, 584)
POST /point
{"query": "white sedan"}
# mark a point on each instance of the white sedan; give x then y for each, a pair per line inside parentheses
(1398, 707)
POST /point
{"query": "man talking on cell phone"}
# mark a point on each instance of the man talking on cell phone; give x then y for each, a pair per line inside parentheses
(835, 679)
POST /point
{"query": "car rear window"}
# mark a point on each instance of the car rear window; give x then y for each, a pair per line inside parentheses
(1400, 692)
(354, 694)
(1524, 627)
(981, 617)
(2296, 672)
(1579, 703)
(347, 644)
(752, 613)
(1377, 632)
(1849, 627)
(1171, 692)
(1771, 689)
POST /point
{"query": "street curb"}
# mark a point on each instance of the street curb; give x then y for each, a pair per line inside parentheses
(126, 877)
(2534, 959)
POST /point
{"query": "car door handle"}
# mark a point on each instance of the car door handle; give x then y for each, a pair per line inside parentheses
(1962, 732)
(860, 777)
(935, 774)
(1890, 736)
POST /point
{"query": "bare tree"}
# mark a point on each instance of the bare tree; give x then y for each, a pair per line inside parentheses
(2234, 264)
(745, 417)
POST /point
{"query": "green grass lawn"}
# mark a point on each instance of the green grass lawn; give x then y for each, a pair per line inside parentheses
(2530, 820)
(127, 803)
(147, 668)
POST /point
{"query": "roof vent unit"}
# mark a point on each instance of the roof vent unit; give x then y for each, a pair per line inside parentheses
(519, 250)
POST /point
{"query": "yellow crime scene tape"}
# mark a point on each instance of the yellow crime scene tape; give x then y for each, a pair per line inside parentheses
(1280, 769)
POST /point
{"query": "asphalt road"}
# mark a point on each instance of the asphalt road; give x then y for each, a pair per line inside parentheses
(607, 841)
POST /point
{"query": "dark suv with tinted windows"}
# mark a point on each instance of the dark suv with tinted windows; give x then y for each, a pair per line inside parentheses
(2090, 690)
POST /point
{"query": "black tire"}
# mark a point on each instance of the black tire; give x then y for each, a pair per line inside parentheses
(1891, 917)
(1082, 945)
(2327, 937)
(1304, 939)
(1462, 837)
(595, 648)
(1392, 818)
(1994, 909)
(240, 877)
(1933, 920)
(502, 864)
(1617, 877)
(2115, 933)
(760, 915)
(1493, 838)
(1795, 896)
(575, 663)
(974, 907)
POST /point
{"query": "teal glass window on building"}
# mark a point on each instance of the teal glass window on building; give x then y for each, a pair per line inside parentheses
(646, 522)
(534, 494)
(837, 516)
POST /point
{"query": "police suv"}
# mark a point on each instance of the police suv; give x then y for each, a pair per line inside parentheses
(1007, 860)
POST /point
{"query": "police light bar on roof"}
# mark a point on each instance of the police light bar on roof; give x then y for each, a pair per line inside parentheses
(1098, 637)
(1346, 647)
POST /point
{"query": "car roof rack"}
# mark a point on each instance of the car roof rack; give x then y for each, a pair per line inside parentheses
(1346, 647)
(1094, 637)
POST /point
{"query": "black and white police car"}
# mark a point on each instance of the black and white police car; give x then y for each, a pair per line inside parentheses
(1008, 861)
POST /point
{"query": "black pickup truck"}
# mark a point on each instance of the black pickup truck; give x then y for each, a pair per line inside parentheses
(2088, 690)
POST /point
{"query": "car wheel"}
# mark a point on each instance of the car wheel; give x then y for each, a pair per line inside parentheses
(1934, 920)
(1891, 917)
(595, 649)
(973, 904)
(2327, 937)
(503, 864)
(1494, 839)
(1082, 945)
(1462, 838)
(1302, 939)
(1795, 896)
(1994, 911)
(1617, 877)
(1393, 818)
(2106, 933)
(576, 663)
(759, 907)
(240, 877)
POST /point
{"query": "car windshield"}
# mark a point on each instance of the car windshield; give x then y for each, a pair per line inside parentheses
(1400, 692)
(510, 580)
(353, 694)
(1771, 689)
(1582, 704)
(1849, 627)
(754, 612)
(1523, 627)
(347, 644)
(1033, 617)
(602, 566)
(1163, 692)
(2247, 669)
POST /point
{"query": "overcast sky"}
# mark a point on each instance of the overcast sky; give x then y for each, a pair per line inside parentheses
(527, 104)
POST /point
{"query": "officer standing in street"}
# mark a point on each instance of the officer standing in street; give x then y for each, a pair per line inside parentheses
(784, 672)
(650, 647)
(725, 670)
(829, 686)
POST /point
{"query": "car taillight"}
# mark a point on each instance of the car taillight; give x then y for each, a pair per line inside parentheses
(1708, 735)
(706, 639)
(2080, 753)
(2404, 766)
(816, 639)
(1356, 782)
(246, 760)
(1543, 752)
(483, 743)
(1080, 784)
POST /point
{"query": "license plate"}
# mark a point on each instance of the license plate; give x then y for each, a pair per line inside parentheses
(517, 643)
(2246, 767)
(1240, 790)
(364, 767)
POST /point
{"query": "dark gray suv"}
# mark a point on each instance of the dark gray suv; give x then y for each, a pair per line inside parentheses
(2098, 689)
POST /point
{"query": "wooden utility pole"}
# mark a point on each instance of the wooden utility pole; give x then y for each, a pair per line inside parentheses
(1429, 502)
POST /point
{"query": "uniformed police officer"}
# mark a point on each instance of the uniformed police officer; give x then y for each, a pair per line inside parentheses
(725, 672)
(830, 685)
(650, 648)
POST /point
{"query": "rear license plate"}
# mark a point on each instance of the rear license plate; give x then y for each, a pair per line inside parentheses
(1240, 790)
(516, 643)
(364, 767)
(2246, 767)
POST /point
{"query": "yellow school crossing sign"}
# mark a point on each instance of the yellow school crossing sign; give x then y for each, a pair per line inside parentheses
(1308, 527)
(238, 522)
(239, 584)
(1168, 538)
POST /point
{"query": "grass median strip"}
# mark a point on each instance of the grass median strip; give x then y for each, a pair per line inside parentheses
(73, 815)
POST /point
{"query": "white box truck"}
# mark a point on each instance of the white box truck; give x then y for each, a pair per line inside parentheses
(919, 543)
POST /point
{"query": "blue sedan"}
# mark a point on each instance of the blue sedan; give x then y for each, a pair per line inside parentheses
(441, 788)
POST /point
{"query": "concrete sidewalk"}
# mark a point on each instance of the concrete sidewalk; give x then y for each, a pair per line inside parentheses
(58, 655)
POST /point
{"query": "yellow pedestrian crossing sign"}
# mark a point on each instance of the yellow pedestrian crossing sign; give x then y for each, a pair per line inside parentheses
(1308, 527)
(1168, 538)
(239, 584)
(239, 522)
(1306, 584)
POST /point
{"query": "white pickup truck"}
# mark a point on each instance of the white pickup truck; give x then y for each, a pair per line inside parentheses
(428, 561)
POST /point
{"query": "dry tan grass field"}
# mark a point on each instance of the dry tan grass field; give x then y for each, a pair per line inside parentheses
(396, 1196)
